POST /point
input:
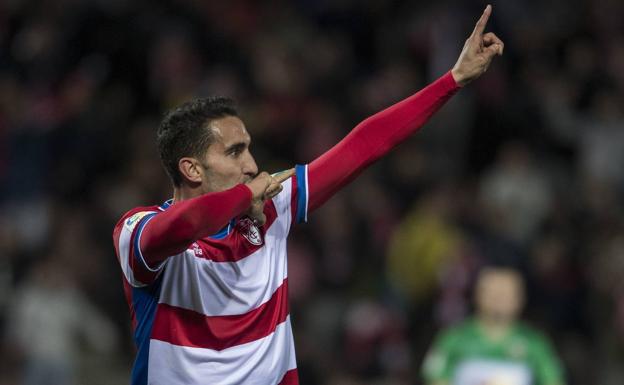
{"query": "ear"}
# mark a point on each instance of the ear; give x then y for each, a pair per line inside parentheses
(191, 169)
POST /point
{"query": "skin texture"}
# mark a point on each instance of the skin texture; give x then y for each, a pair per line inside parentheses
(478, 52)
(499, 298)
(228, 160)
(226, 163)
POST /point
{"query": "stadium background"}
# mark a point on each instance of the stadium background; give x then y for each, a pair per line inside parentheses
(524, 167)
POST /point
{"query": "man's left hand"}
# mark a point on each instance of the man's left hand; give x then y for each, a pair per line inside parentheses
(478, 52)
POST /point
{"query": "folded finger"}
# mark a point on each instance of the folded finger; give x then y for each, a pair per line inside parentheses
(492, 50)
(490, 38)
(273, 191)
(259, 219)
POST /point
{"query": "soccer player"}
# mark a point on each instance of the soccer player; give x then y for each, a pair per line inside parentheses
(493, 348)
(205, 273)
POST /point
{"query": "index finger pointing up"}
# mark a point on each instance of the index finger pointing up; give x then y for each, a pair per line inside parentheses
(480, 27)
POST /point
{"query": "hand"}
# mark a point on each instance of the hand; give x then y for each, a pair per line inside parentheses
(478, 52)
(264, 187)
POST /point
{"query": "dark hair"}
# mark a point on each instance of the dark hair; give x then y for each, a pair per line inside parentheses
(185, 131)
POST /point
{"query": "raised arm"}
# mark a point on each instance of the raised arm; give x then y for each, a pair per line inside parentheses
(378, 134)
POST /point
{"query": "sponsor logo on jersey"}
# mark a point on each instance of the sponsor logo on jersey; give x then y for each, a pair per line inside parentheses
(197, 249)
(250, 231)
(136, 218)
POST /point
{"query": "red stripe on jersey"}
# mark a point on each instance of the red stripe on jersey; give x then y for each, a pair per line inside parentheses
(235, 246)
(290, 378)
(185, 327)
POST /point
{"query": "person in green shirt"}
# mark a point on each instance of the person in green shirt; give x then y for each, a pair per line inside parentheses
(493, 347)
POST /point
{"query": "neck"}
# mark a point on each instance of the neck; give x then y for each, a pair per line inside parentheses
(185, 192)
(494, 328)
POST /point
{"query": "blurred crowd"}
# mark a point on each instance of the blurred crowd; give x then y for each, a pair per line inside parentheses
(522, 168)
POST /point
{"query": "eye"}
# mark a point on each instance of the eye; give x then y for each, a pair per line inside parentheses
(235, 152)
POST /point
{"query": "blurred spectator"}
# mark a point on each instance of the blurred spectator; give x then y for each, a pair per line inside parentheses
(422, 245)
(49, 322)
(515, 193)
(493, 348)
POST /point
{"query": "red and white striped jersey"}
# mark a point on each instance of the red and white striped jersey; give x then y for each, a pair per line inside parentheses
(218, 312)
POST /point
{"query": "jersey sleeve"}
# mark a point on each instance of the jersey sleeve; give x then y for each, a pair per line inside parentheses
(548, 369)
(438, 363)
(127, 240)
(373, 138)
(292, 202)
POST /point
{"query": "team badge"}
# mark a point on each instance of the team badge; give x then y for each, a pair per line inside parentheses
(250, 231)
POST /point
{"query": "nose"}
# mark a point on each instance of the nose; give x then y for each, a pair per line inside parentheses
(249, 166)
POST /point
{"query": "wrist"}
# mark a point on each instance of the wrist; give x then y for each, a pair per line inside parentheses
(459, 77)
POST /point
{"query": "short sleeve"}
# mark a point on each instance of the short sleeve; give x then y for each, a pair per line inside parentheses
(548, 369)
(127, 239)
(438, 361)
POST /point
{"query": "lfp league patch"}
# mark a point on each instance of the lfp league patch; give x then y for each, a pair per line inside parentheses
(134, 219)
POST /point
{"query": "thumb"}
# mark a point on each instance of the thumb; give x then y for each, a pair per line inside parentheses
(260, 219)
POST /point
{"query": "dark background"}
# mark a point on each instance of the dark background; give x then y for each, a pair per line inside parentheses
(523, 167)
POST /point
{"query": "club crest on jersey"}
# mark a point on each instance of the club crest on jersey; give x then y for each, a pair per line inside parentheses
(249, 230)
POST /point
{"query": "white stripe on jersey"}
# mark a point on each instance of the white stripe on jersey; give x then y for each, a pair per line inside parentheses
(227, 288)
(263, 361)
(282, 203)
(230, 288)
(307, 194)
(210, 288)
(125, 239)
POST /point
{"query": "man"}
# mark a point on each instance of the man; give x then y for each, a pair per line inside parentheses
(493, 348)
(205, 273)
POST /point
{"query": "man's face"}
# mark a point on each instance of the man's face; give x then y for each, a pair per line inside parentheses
(228, 161)
(499, 295)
